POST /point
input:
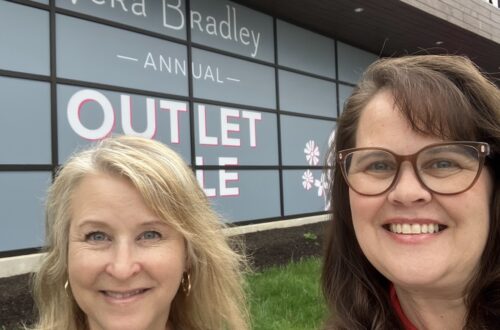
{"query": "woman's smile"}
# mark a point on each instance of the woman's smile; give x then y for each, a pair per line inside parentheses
(125, 265)
(433, 232)
(122, 297)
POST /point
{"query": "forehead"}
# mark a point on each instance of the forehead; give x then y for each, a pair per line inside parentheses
(101, 186)
(107, 198)
(381, 124)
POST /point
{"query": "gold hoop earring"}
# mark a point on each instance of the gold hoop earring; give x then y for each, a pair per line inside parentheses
(66, 285)
(186, 283)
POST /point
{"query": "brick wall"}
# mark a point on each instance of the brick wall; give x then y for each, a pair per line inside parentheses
(477, 16)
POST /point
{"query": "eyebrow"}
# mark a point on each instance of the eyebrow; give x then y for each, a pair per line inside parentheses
(446, 148)
(154, 223)
(373, 153)
(98, 223)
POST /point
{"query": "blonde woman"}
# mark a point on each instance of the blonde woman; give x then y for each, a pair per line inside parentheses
(132, 243)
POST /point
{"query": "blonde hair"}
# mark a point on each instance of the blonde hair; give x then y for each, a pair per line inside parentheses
(169, 188)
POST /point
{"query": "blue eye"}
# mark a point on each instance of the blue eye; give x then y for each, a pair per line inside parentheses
(96, 236)
(443, 164)
(380, 166)
(150, 234)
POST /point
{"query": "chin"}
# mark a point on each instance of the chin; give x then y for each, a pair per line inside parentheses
(123, 324)
(416, 277)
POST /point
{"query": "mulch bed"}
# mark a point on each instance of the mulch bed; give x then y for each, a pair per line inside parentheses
(265, 249)
(280, 246)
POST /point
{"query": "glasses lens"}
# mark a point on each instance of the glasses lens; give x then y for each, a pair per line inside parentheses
(370, 171)
(448, 169)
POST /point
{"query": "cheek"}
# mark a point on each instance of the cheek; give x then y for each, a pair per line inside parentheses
(180, 259)
(167, 262)
(74, 263)
(472, 208)
(470, 214)
(365, 214)
(83, 265)
(364, 209)
(82, 274)
(178, 252)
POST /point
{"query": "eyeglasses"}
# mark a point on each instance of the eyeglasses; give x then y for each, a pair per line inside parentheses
(443, 168)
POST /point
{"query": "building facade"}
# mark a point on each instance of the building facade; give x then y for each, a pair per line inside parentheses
(248, 92)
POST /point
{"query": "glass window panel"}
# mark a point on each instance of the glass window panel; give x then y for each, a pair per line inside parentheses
(85, 115)
(228, 132)
(234, 28)
(299, 93)
(305, 141)
(245, 194)
(305, 191)
(318, 57)
(352, 62)
(227, 79)
(22, 195)
(97, 53)
(24, 39)
(164, 17)
(25, 136)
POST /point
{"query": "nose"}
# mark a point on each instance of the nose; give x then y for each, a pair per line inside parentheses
(407, 189)
(123, 263)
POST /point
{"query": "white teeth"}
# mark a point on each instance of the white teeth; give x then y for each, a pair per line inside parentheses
(425, 229)
(413, 229)
(406, 228)
(122, 295)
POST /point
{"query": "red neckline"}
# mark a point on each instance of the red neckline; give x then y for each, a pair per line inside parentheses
(399, 311)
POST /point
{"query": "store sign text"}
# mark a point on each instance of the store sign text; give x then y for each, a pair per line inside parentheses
(172, 11)
(231, 121)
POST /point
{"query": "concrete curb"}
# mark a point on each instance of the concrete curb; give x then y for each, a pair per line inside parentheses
(233, 231)
(19, 265)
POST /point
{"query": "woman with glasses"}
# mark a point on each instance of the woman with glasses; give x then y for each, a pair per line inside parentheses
(414, 241)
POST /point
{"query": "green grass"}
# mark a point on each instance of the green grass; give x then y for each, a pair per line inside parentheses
(287, 298)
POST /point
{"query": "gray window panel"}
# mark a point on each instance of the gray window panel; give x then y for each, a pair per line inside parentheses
(228, 132)
(24, 39)
(299, 93)
(344, 93)
(22, 195)
(227, 79)
(305, 141)
(98, 53)
(251, 195)
(305, 191)
(85, 115)
(234, 28)
(160, 16)
(352, 62)
(304, 50)
(25, 136)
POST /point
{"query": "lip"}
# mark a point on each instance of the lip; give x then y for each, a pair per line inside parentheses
(420, 221)
(124, 296)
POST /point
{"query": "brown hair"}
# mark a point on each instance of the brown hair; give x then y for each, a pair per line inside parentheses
(443, 96)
